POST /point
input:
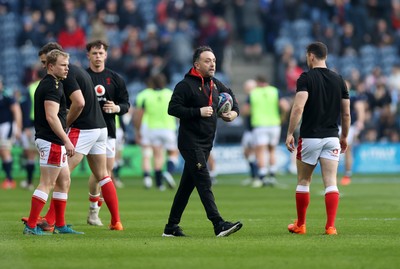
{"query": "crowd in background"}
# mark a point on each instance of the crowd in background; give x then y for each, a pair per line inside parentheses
(147, 37)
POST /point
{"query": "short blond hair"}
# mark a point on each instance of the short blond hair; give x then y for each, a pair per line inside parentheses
(52, 56)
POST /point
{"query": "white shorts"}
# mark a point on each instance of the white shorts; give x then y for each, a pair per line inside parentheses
(266, 135)
(28, 139)
(247, 139)
(145, 141)
(51, 154)
(6, 136)
(353, 132)
(162, 137)
(120, 139)
(91, 141)
(309, 150)
(110, 147)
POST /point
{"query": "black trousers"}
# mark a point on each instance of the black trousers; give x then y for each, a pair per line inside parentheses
(195, 174)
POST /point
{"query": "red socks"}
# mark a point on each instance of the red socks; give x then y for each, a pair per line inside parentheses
(51, 214)
(38, 201)
(331, 204)
(302, 202)
(60, 203)
(110, 197)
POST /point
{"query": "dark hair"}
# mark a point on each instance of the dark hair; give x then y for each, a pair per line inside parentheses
(96, 44)
(261, 79)
(199, 51)
(49, 47)
(160, 81)
(319, 49)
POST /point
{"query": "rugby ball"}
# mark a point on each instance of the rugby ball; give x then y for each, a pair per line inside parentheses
(225, 103)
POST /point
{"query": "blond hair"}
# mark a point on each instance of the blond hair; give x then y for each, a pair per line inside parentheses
(52, 56)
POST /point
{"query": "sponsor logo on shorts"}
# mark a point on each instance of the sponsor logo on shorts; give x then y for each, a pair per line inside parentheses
(335, 152)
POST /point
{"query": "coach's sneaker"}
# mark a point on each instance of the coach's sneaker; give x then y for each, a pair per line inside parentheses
(258, 183)
(65, 230)
(225, 228)
(331, 231)
(25, 185)
(270, 181)
(34, 231)
(173, 231)
(169, 180)
(148, 182)
(116, 227)
(346, 180)
(293, 228)
(93, 217)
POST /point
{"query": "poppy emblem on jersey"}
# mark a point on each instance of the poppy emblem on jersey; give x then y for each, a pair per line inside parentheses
(100, 90)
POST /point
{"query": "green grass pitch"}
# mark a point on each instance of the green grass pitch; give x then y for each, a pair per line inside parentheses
(368, 223)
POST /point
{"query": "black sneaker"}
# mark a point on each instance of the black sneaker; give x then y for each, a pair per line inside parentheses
(225, 228)
(173, 231)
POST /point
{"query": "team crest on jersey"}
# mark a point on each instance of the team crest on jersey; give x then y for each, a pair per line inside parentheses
(100, 90)
(335, 152)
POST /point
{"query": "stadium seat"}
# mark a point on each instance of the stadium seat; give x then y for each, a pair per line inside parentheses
(301, 28)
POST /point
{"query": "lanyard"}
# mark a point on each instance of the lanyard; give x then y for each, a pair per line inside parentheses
(211, 89)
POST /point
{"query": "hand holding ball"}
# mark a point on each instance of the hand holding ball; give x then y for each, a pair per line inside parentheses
(225, 103)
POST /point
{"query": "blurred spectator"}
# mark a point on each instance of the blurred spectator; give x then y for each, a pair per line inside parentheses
(349, 42)
(177, 38)
(110, 18)
(293, 72)
(97, 30)
(115, 60)
(50, 26)
(378, 9)
(31, 31)
(282, 62)
(273, 14)
(130, 14)
(357, 14)
(151, 41)
(379, 103)
(252, 29)
(329, 37)
(382, 36)
(72, 35)
(374, 78)
(219, 39)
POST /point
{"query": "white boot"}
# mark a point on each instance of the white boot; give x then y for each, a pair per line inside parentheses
(93, 217)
